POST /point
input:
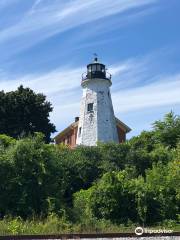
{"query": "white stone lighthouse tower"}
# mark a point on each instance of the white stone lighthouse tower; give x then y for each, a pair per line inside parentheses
(97, 121)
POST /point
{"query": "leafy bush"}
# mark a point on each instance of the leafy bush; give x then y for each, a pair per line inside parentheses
(119, 198)
(137, 181)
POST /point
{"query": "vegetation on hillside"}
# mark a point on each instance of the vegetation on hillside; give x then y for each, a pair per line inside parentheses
(91, 188)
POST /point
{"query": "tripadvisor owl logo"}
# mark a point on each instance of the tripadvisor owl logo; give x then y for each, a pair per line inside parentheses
(139, 231)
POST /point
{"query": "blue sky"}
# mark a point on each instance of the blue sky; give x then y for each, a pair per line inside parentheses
(46, 44)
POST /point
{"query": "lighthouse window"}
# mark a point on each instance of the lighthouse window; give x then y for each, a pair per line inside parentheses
(98, 67)
(103, 69)
(89, 68)
(90, 107)
(93, 68)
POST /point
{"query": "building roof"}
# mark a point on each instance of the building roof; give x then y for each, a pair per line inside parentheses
(123, 125)
(73, 125)
(66, 130)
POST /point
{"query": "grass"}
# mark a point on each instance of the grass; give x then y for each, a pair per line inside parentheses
(55, 225)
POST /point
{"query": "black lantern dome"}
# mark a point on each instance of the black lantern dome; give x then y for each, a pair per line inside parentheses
(96, 70)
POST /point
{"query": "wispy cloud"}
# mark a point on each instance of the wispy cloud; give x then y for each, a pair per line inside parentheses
(140, 70)
(68, 31)
(47, 18)
(165, 91)
(58, 80)
(148, 88)
(61, 86)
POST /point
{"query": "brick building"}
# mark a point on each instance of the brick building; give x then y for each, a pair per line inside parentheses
(68, 135)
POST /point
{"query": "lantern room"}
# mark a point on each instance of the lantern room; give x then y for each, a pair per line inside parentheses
(96, 70)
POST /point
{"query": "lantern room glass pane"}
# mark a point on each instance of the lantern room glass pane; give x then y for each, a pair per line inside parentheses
(93, 68)
(98, 67)
(89, 69)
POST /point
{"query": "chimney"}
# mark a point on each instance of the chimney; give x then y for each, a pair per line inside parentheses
(76, 119)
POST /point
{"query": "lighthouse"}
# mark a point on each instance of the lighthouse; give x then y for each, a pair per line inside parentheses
(97, 122)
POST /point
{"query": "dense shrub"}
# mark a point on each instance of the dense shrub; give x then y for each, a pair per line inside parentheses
(137, 181)
(119, 198)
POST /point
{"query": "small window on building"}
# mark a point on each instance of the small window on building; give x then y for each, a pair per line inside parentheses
(90, 107)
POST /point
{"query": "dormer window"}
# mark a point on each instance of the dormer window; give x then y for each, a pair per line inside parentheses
(90, 107)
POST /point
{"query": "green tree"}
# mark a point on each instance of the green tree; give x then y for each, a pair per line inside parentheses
(158, 195)
(167, 131)
(31, 178)
(137, 180)
(43, 177)
(6, 141)
(145, 141)
(23, 112)
(161, 154)
(6, 173)
(111, 198)
(81, 169)
(140, 159)
(113, 156)
(162, 192)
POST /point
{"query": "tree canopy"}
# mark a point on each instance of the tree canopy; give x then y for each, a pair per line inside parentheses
(167, 131)
(137, 181)
(23, 112)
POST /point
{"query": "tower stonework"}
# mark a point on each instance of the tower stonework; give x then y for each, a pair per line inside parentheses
(97, 122)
